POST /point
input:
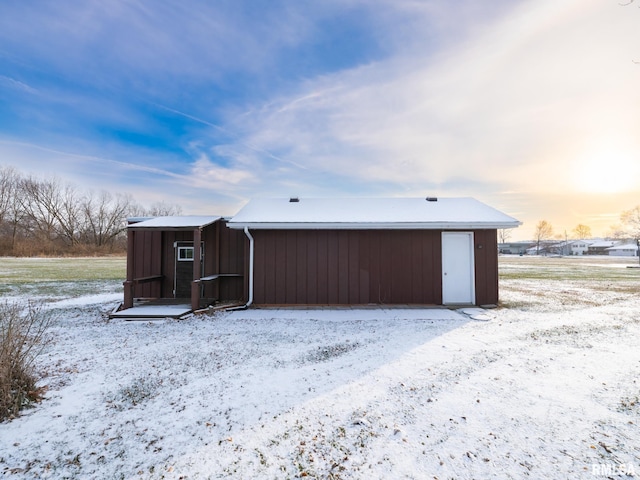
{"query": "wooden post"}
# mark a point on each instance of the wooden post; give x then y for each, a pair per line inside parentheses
(128, 284)
(216, 285)
(195, 284)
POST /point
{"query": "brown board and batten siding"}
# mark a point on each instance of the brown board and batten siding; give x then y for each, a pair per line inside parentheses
(146, 263)
(486, 266)
(231, 259)
(361, 267)
(154, 255)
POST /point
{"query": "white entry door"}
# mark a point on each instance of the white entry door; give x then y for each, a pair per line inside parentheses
(458, 279)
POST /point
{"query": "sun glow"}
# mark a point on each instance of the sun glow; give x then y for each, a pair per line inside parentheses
(607, 171)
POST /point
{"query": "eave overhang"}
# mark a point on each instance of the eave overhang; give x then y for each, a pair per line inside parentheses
(373, 225)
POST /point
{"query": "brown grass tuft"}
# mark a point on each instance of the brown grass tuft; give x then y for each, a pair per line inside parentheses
(22, 337)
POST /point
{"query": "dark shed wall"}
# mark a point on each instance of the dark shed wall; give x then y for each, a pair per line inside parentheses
(339, 267)
(147, 252)
(486, 268)
(154, 254)
(351, 267)
(230, 259)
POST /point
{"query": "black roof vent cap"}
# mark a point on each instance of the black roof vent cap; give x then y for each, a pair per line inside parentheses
(431, 199)
(294, 200)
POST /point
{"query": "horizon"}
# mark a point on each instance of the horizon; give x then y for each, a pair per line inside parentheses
(528, 106)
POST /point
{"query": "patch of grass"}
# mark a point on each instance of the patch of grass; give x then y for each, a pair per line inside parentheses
(549, 283)
(612, 269)
(40, 270)
(139, 391)
(53, 278)
(52, 291)
(630, 404)
(326, 353)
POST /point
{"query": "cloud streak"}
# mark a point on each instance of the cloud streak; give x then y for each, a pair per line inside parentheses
(511, 102)
(519, 106)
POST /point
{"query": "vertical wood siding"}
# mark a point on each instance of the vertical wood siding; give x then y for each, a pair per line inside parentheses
(347, 267)
(154, 254)
(147, 248)
(359, 267)
(486, 266)
(318, 267)
(230, 259)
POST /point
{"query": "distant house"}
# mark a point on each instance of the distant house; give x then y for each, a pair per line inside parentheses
(560, 248)
(514, 248)
(600, 247)
(625, 250)
(357, 251)
(545, 248)
(571, 247)
(580, 247)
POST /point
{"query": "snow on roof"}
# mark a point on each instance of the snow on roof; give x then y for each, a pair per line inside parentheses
(183, 221)
(626, 246)
(362, 213)
(602, 243)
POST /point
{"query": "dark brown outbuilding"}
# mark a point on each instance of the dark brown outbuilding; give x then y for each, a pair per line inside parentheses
(397, 251)
(372, 251)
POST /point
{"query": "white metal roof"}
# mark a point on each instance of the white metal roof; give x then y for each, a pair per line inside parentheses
(602, 243)
(370, 213)
(182, 221)
(626, 246)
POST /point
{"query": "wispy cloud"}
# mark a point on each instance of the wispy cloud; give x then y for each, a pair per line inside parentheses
(235, 136)
(207, 174)
(505, 100)
(102, 161)
(12, 83)
(516, 103)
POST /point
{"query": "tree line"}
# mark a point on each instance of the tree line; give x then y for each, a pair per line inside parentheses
(44, 216)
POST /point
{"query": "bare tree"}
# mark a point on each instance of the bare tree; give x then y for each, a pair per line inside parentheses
(582, 231)
(9, 179)
(40, 201)
(11, 212)
(616, 232)
(45, 214)
(631, 220)
(69, 215)
(543, 231)
(53, 209)
(162, 209)
(105, 216)
(504, 235)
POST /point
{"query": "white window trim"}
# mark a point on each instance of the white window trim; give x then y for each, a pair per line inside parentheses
(185, 259)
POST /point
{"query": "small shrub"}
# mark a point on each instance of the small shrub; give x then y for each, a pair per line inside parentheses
(22, 337)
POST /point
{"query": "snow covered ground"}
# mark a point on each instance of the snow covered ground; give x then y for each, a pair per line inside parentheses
(545, 387)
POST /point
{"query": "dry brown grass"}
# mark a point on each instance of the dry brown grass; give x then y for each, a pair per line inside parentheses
(22, 336)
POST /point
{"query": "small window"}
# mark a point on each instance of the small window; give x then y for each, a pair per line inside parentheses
(185, 254)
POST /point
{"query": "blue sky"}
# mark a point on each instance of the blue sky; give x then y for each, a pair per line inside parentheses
(531, 106)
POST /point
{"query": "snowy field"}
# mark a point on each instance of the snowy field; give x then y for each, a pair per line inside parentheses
(547, 386)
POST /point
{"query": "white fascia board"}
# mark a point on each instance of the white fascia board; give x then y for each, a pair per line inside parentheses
(176, 222)
(372, 226)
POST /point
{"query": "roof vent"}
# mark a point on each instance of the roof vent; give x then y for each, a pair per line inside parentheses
(294, 200)
(432, 199)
